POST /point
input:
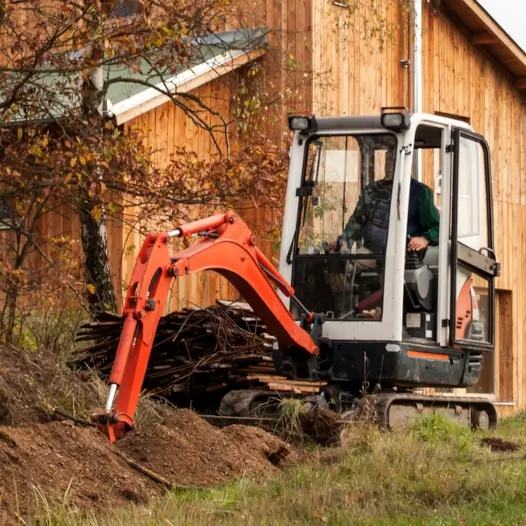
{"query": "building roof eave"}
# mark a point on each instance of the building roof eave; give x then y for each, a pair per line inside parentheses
(485, 32)
(183, 82)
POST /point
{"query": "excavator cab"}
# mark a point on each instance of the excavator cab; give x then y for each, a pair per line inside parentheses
(356, 196)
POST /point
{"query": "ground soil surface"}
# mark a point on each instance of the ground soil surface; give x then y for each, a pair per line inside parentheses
(44, 461)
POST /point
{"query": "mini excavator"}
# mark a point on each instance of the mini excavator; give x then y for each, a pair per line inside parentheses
(389, 321)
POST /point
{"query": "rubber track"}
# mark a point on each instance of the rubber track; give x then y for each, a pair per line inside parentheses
(384, 401)
(238, 404)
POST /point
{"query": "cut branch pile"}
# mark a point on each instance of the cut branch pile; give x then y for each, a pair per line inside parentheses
(196, 353)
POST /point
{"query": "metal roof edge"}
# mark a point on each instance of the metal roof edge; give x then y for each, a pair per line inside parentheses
(189, 79)
(245, 38)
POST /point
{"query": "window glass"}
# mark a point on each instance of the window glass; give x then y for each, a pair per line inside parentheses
(338, 168)
(486, 383)
(473, 308)
(473, 311)
(121, 8)
(432, 172)
(344, 217)
(472, 206)
(333, 166)
(8, 216)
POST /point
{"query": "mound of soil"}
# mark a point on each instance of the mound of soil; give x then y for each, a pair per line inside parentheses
(58, 463)
(45, 463)
(188, 451)
(32, 383)
(78, 466)
(323, 426)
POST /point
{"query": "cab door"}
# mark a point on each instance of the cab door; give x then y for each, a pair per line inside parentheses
(473, 265)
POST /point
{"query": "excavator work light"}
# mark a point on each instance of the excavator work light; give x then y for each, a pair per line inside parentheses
(394, 119)
(302, 124)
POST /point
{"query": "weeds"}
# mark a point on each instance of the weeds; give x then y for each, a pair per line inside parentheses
(51, 325)
(49, 515)
(436, 428)
(150, 409)
(290, 413)
(513, 427)
(53, 328)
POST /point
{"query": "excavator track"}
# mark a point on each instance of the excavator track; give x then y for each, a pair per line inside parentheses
(389, 409)
(255, 407)
(395, 410)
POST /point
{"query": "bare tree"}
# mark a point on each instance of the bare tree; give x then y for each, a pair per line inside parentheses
(59, 62)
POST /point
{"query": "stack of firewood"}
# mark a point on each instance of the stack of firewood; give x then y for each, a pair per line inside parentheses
(196, 352)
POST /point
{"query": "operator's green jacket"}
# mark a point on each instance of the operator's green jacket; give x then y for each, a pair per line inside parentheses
(370, 218)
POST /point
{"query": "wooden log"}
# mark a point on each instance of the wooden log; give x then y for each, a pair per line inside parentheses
(145, 471)
(266, 378)
(291, 387)
(282, 379)
(219, 345)
(216, 387)
(235, 305)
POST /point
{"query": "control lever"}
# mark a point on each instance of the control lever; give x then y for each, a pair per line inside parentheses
(412, 258)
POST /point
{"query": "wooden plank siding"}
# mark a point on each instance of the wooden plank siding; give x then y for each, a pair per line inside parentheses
(474, 86)
(352, 75)
(167, 128)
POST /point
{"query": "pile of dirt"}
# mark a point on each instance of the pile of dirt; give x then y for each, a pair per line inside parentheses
(500, 445)
(33, 383)
(188, 451)
(51, 464)
(58, 463)
(46, 462)
(322, 426)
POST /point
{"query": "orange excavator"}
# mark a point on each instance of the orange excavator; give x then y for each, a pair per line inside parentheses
(355, 319)
(229, 248)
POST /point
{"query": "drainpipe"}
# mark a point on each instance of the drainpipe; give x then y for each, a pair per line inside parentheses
(417, 75)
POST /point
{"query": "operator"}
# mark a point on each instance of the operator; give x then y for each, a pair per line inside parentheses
(370, 219)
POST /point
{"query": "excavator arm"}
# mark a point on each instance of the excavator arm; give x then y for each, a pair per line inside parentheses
(229, 248)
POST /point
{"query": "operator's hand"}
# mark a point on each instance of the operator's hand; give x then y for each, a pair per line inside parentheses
(417, 244)
(334, 247)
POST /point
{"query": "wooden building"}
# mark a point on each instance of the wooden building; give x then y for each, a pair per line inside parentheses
(357, 60)
(471, 70)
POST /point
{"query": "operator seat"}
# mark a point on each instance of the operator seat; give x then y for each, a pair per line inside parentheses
(431, 259)
(419, 283)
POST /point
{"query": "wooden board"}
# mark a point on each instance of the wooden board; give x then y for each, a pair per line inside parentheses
(293, 388)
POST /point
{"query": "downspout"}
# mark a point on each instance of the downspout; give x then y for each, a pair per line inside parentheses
(417, 75)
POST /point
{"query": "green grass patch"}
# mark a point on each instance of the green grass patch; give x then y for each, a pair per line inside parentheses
(434, 473)
(436, 428)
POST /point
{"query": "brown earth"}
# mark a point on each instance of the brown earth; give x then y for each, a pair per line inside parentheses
(40, 462)
(188, 451)
(33, 383)
(499, 445)
(45, 463)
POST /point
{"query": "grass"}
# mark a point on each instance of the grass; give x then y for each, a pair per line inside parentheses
(434, 473)
(289, 423)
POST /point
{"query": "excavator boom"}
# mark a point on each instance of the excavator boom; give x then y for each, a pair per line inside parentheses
(229, 248)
